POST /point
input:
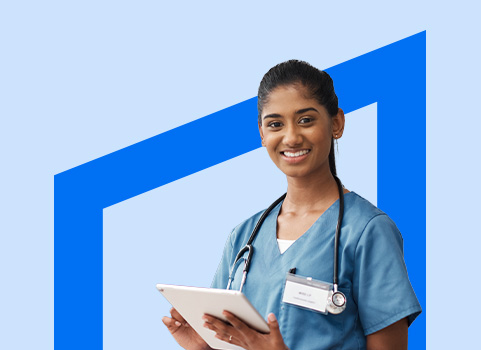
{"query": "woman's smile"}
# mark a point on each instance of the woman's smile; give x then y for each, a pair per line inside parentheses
(295, 156)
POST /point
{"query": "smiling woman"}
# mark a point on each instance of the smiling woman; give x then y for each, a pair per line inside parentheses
(369, 303)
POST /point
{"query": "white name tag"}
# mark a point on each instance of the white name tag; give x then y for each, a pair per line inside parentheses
(306, 292)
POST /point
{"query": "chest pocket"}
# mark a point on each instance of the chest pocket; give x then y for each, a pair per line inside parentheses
(329, 330)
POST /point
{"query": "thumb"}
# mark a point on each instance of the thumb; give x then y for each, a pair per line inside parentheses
(273, 324)
(275, 332)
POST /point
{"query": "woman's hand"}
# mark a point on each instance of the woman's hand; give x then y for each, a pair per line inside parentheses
(183, 333)
(239, 333)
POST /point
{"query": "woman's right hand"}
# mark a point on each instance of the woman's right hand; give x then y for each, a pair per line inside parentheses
(183, 333)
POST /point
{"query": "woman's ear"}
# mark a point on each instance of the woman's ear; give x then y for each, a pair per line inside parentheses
(338, 124)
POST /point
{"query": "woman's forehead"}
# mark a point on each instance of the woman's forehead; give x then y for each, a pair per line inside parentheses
(292, 96)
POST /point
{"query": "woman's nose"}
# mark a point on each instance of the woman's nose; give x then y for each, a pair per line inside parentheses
(292, 137)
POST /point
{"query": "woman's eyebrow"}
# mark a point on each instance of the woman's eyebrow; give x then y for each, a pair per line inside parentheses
(273, 115)
(300, 111)
(304, 110)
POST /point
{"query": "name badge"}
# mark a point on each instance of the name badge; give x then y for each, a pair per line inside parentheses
(306, 292)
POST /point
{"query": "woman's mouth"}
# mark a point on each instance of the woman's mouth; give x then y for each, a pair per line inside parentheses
(295, 154)
(295, 157)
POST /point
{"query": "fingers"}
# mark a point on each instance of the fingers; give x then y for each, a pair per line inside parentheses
(239, 333)
(229, 339)
(171, 324)
(215, 324)
(178, 317)
(235, 331)
(234, 321)
(222, 330)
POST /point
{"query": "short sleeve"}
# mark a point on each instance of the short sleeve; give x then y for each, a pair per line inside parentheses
(381, 286)
(222, 275)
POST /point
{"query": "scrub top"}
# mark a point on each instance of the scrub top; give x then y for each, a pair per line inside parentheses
(372, 275)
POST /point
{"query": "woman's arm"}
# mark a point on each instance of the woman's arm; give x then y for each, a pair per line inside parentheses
(393, 337)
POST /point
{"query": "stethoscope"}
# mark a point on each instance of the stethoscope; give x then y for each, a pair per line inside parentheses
(336, 302)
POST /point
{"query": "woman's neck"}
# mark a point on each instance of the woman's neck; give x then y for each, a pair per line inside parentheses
(314, 193)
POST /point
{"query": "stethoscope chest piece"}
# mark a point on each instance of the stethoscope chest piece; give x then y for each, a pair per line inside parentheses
(336, 302)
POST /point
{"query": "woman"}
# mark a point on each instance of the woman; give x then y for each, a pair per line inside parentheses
(299, 120)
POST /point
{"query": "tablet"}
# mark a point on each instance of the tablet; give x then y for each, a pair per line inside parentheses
(193, 302)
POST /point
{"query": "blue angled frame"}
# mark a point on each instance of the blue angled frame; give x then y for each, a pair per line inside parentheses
(394, 76)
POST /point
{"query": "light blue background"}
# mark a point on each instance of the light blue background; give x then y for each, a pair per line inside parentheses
(80, 80)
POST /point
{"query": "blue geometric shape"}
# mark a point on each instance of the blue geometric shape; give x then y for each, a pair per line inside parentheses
(393, 76)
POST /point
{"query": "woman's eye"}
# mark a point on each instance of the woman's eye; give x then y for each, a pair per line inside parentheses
(305, 120)
(275, 124)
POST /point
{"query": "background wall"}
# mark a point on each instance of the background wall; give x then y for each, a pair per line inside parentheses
(81, 80)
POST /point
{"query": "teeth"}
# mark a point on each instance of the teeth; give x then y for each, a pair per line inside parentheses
(297, 154)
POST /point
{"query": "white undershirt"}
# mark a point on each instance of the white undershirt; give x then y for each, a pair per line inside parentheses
(284, 244)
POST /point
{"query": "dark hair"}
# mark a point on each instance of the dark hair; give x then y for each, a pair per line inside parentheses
(316, 81)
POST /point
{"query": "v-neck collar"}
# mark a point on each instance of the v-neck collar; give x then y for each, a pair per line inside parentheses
(267, 238)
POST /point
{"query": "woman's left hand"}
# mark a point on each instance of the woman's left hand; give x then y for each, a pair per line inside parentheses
(239, 333)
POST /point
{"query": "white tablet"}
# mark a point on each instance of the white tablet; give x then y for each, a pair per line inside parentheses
(193, 302)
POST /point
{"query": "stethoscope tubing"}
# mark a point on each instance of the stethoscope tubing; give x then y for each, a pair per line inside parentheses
(338, 233)
(250, 249)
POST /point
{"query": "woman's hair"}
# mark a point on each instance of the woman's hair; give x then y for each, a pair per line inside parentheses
(317, 82)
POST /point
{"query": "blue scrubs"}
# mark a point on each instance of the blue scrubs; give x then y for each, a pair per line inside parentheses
(372, 275)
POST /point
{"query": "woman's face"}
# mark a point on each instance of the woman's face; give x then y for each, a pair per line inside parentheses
(297, 131)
